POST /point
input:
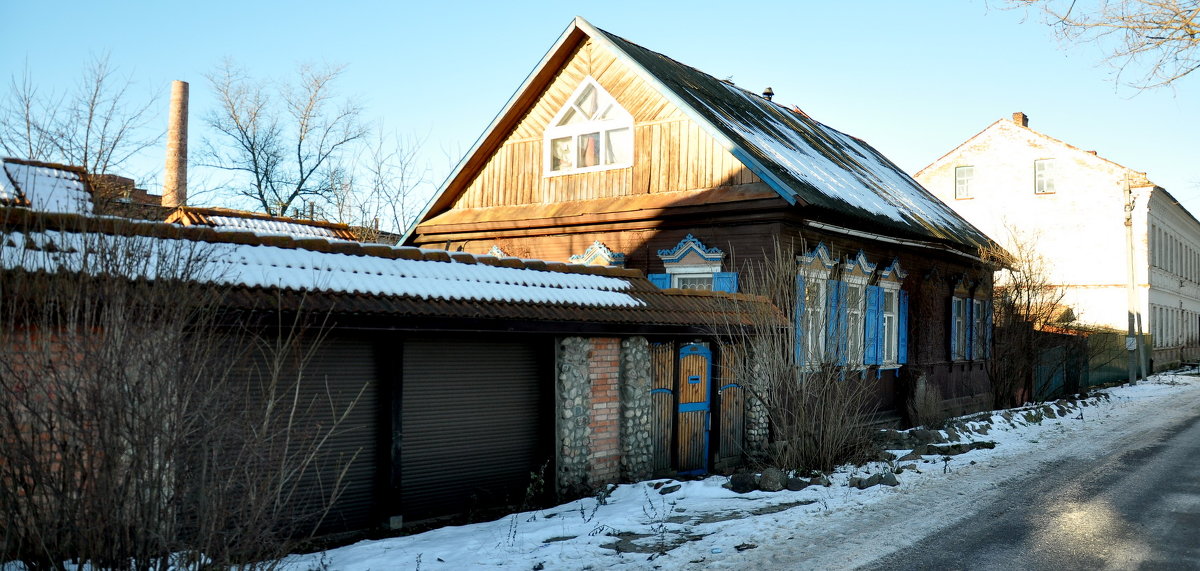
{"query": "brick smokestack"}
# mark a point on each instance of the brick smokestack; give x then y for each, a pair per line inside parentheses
(175, 178)
(1021, 119)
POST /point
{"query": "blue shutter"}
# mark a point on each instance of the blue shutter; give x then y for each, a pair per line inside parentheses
(953, 331)
(873, 326)
(902, 328)
(799, 319)
(970, 324)
(987, 317)
(833, 297)
(725, 281)
(662, 281)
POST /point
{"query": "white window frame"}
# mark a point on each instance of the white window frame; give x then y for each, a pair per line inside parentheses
(1043, 176)
(681, 272)
(855, 319)
(814, 317)
(618, 123)
(891, 325)
(963, 175)
(959, 310)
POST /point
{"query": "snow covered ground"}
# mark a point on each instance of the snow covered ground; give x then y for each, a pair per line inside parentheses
(702, 525)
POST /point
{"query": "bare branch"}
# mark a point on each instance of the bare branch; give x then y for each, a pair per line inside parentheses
(1153, 39)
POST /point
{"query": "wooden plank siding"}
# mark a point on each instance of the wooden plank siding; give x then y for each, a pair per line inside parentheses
(671, 152)
(694, 383)
(731, 398)
(662, 422)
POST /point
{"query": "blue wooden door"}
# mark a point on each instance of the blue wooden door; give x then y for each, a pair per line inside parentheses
(695, 376)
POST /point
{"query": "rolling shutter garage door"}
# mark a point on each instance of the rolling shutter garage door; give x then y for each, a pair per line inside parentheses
(338, 380)
(473, 418)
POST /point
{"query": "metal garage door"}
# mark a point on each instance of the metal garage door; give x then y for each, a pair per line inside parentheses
(473, 423)
(325, 393)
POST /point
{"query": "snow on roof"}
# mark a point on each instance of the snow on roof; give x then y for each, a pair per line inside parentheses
(45, 187)
(304, 270)
(224, 219)
(803, 160)
(272, 227)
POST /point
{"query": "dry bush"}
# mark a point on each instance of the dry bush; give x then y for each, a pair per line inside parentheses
(925, 405)
(128, 432)
(818, 412)
(1025, 300)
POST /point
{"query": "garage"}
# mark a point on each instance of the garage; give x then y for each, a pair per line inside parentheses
(476, 422)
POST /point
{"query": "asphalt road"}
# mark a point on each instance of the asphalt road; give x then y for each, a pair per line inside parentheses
(1138, 508)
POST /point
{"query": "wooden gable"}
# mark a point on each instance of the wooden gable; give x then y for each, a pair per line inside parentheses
(671, 152)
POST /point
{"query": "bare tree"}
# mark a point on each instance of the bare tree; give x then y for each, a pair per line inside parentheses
(141, 427)
(817, 409)
(97, 125)
(377, 193)
(282, 155)
(1156, 37)
(1026, 300)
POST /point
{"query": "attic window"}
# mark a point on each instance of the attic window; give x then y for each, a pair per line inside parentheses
(592, 132)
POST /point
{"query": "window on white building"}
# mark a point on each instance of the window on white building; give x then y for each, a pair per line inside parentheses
(962, 181)
(1043, 176)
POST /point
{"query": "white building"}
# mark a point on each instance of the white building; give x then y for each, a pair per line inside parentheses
(1072, 202)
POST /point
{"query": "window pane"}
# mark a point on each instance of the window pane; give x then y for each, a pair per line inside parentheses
(814, 320)
(572, 116)
(854, 313)
(1043, 172)
(589, 150)
(890, 337)
(617, 149)
(560, 154)
(587, 102)
(962, 181)
(694, 282)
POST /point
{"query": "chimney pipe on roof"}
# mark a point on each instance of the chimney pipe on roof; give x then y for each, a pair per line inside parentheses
(175, 178)
(1021, 119)
(768, 93)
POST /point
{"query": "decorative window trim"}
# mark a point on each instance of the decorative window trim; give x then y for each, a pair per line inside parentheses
(816, 267)
(857, 267)
(893, 272)
(497, 252)
(619, 123)
(598, 254)
(818, 255)
(690, 244)
(701, 263)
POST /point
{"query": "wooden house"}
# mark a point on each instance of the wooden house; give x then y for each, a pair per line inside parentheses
(610, 153)
(457, 376)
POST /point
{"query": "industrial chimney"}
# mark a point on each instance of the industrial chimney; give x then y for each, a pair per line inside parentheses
(175, 178)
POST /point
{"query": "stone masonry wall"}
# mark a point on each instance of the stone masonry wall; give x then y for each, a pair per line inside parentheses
(574, 416)
(637, 453)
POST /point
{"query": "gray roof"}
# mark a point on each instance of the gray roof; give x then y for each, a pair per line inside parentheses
(806, 162)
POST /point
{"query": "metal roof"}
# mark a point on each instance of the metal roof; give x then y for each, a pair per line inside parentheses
(317, 274)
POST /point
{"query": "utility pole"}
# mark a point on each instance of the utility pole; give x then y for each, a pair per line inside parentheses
(1132, 341)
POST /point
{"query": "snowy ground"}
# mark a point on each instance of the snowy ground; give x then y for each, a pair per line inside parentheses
(702, 525)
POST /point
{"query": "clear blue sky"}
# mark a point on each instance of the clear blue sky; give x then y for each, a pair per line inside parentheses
(914, 79)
